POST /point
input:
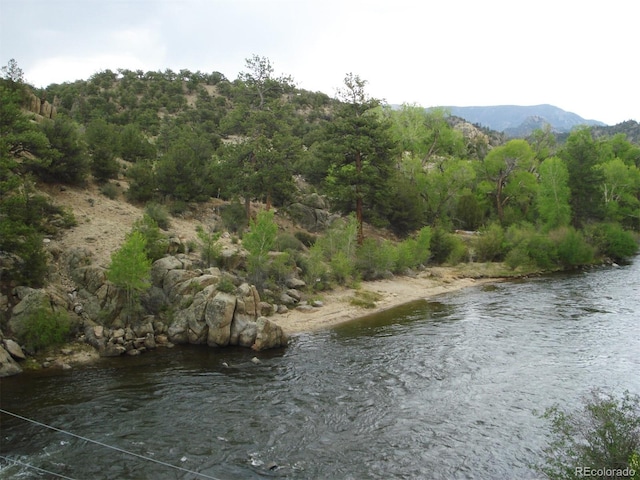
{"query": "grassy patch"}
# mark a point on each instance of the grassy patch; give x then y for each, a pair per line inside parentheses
(365, 299)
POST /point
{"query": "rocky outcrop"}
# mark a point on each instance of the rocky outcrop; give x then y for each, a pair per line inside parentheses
(41, 107)
(8, 366)
(311, 212)
(183, 305)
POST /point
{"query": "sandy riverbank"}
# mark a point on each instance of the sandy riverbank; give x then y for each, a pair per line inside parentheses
(393, 292)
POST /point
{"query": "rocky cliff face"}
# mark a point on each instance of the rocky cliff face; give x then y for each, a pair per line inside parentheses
(40, 107)
(185, 305)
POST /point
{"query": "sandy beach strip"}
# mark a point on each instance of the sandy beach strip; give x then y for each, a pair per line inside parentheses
(393, 292)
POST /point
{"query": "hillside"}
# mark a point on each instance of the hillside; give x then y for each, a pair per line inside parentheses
(520, 121)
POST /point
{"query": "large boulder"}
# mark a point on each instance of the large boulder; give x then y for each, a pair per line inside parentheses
(189, 324)
(219, 315)
(8, 366)
(268, 335)
(14, 349)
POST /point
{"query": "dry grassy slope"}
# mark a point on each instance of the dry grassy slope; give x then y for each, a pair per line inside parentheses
(102, 222)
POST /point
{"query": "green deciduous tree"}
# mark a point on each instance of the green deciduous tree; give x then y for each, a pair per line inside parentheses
(506, 171)
(259, 241)
(603, 434)
(553, 195)
(130, 270)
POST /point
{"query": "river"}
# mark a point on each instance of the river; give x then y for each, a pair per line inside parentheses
(447, 388)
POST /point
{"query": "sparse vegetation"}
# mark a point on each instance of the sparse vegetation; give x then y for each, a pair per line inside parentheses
(603, 436)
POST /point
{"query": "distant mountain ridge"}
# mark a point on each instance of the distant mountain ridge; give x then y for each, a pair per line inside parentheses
(520, 121)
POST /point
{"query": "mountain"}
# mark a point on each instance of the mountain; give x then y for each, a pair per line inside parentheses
(520, 121)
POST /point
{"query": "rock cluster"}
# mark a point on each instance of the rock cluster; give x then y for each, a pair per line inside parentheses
(183, 305)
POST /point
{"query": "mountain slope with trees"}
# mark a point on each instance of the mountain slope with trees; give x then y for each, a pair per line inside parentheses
(171, 141)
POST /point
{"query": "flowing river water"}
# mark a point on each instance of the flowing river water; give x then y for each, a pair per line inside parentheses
(447, 388)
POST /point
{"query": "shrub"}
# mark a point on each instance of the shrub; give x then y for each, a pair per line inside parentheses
(225, 285)
(604, 434)
(159, 213)
(44, 328)
(611, 240)
(156, 243)
(375, 258)
(287, 242)
(571, 246)
(446, 247)
(315, 270)
(109, 190)
(307, 239)
(234, 216)
(342, 267)
(211, 250)
(178, 207)
(490, 244)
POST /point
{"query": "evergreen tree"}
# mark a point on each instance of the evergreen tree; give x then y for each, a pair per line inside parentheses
(361, 151)
(581, 156)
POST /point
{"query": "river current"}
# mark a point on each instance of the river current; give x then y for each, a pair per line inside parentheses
(447, 388)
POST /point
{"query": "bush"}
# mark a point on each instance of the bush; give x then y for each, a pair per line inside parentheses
(287, 242)
(159, 213)
(109, 190)
(156, 243)
(446, 247)
(307, 239)
(572, 248)
(611, 240)
(375, 258)
(490, 244)
(604, 434)
(44, 328)
(225, 285)
(234, 216)
(211, 250)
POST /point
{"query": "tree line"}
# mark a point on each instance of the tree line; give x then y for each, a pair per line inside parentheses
(180, 137)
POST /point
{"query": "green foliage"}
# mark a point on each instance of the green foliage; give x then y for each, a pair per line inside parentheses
(133, 145)
(225, 285)
(612, 241)
(69, 159)
(337, 247)
(572, 248)
(604, 434)
(44, 328)
(102, 141)
(234, 216)
(142, 181)
(489, 245)
(446, 247)
(259, 241)
(287, 242)
(375, 258)
(158, 213)
(109, 190)
(210, 249)
(581, 155)
(365, 299)
(529, 248)
(130, 270)
(155, 242)
(360, 150)
(553, 196)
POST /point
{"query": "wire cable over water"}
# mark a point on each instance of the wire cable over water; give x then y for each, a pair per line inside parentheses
(117, 449)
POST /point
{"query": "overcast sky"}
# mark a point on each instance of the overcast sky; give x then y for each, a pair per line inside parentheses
(582, 56)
